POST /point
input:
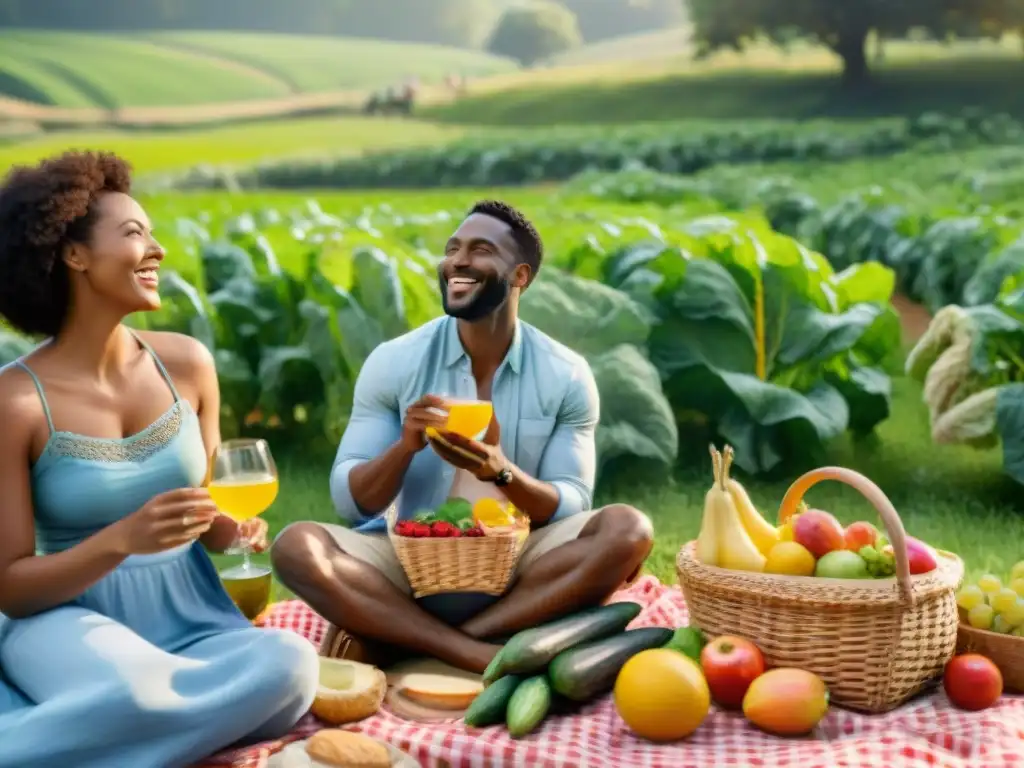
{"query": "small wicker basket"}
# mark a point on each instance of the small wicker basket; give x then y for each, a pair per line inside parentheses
(482, 564)
(1005, 651)
(875, 643)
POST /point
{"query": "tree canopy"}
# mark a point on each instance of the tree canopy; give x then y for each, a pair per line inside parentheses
(534, 32)
(844, 26)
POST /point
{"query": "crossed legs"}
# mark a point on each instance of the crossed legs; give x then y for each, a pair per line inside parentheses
(360, 592)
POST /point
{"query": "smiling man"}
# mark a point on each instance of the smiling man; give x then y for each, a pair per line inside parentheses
(538, 453)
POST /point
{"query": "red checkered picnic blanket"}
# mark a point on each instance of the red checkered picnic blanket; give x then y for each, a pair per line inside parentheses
(927, 732)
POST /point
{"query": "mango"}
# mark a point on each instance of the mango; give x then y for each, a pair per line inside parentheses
(786, 701)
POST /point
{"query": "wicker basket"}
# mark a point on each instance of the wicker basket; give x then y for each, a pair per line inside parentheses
(482, 564)
(1005, 651)
(875, 643)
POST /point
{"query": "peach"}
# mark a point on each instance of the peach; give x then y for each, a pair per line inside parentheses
(819, 532)
(786, 701)
(859, 535)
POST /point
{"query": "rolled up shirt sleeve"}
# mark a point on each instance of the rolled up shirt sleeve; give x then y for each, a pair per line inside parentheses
(570, 458)
(375, 425)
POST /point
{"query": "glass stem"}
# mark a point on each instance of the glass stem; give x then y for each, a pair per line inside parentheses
(246, 564)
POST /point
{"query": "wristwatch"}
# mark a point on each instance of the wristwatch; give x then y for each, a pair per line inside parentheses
(503, 478)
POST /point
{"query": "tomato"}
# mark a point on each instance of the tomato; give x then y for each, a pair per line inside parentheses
(972, 681)
(730, 665)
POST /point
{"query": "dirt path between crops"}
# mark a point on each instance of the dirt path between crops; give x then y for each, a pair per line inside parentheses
(914, 318)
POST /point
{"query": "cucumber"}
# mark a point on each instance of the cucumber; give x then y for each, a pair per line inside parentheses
(530, 651)
(589, 670)
(529, 705)
(490, 706)
(493, 671)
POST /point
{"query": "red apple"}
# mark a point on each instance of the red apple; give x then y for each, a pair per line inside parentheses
(730, 665)
(972, 682)
(920, 556)
(819, 532)
(859, 535)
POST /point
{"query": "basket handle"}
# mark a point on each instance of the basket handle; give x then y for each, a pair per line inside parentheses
(867, 488)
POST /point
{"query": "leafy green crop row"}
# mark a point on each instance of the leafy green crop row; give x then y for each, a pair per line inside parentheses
(694, 323)
(560, 154)
(959, 252)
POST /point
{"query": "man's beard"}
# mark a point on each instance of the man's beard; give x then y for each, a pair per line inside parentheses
(492, 293)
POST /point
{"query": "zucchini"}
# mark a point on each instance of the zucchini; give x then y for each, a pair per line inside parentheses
(490, 706)
(530, 651)
(589, 670)
(529, 705)
(493, 671)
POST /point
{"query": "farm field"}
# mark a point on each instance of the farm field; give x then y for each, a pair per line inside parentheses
(240, 144)
(296, 367)
(309, 64)
(763, 83)
(195, 68)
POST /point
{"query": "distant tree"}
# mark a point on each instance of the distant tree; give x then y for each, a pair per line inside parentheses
(534, 32)
(844, 26)
(605, 19)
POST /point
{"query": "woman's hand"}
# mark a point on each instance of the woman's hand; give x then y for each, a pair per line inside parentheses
(254, 533)
(165, 521)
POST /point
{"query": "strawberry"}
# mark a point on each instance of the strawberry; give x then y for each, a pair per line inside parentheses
(442, 529)
(419, 530)
(474, 532)
(404, 527)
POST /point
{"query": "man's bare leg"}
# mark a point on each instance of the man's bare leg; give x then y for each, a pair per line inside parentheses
(360, 599)
(583, 573)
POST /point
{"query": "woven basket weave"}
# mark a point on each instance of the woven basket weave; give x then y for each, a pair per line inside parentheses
(875, 643)
(1005, 651)
(481, 564)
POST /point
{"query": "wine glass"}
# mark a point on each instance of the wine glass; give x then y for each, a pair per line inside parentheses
(243, 485)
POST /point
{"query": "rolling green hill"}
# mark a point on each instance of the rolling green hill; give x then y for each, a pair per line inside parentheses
(764, 83)
(69, 69)
(311, 64)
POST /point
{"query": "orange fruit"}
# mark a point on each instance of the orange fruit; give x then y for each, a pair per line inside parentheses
(662, 695)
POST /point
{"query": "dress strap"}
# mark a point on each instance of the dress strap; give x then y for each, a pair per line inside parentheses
(39, 388)
(159, 365)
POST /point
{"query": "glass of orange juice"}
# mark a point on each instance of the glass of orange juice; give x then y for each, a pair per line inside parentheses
(469, 418)
(243, 485)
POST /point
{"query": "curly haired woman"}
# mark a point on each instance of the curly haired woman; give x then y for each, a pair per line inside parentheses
(118, 644)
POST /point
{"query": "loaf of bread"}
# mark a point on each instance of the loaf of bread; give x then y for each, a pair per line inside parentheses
(342, 749)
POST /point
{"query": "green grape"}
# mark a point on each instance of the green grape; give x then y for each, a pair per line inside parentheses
(1001, 625)
(1003, 600)
(870, 555)
(970, 596)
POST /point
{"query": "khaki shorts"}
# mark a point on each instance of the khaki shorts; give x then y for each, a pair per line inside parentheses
(375, 548)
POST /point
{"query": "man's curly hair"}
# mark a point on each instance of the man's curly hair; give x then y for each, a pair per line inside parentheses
(42, 209)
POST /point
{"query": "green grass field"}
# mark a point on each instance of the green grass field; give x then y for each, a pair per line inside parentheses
(954, 498)
(241, 144)
(313, 64)
(71, 69)
(763, 83)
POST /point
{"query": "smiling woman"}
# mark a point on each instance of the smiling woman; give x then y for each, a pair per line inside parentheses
(104, 577)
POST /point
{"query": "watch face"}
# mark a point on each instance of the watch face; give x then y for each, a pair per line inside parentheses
(504, 478)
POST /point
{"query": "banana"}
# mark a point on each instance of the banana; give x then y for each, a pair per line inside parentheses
(763, 533)
(708, 540)
(736, 550)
